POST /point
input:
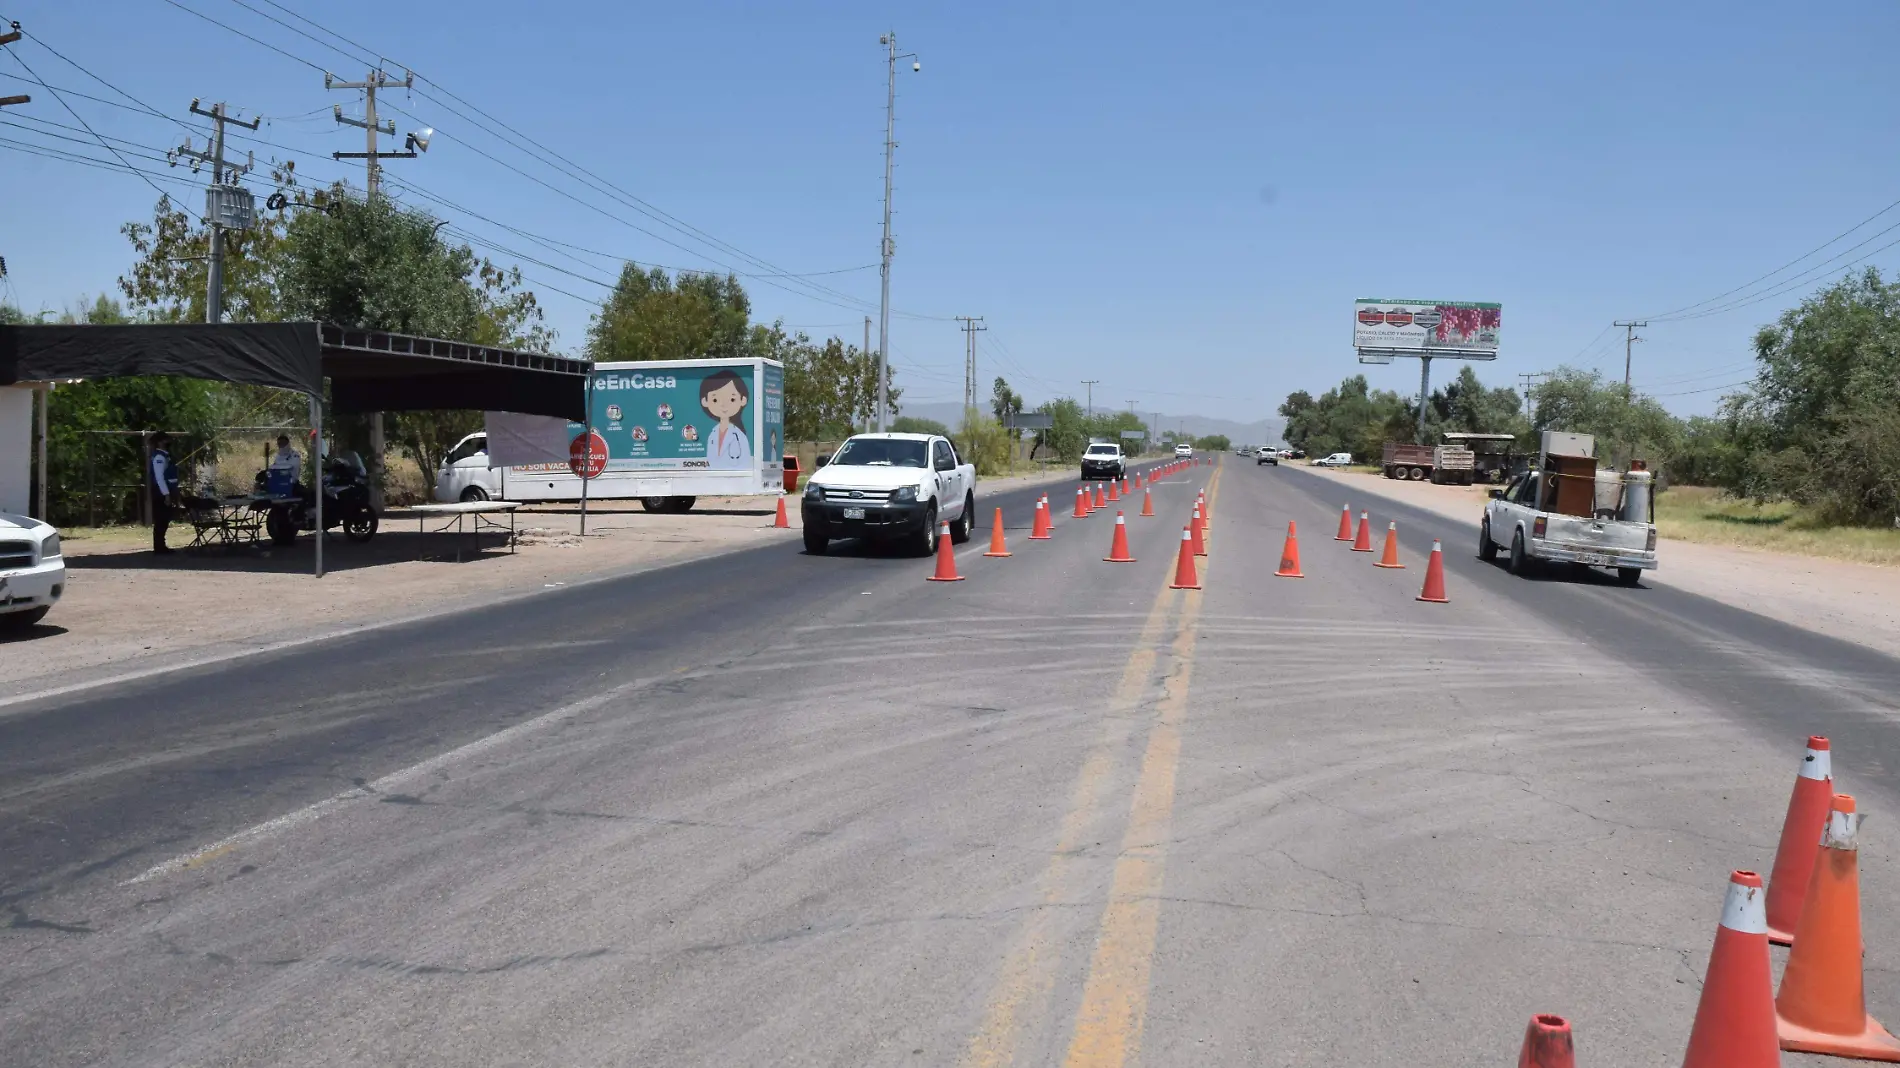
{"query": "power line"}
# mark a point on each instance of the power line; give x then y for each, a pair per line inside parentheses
(1807, 277)
(254, 40)
(1674, 312)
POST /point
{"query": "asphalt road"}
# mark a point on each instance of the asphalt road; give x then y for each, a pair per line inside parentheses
(776, 809)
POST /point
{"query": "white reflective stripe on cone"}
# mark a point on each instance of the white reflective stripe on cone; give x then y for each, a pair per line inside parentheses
(1818, 764)
(1745, 910)
(1842, 830)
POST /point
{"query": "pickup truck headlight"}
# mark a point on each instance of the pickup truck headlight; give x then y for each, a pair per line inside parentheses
(904, 495)
(814, 492)
(50, 547)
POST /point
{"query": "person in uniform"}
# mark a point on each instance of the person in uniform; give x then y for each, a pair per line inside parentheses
(164, 490)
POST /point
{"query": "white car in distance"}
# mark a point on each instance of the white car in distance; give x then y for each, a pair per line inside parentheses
(1338, 459)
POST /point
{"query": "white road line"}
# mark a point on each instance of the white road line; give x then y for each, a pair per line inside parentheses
(394, 782)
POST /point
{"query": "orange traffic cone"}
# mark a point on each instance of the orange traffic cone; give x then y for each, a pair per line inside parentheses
(1434, 590)
(1114, 491)
(1147, 501)
(1362, 541)
(1200, 537)
(1734, 1021)
(1345, 523)
(1391, 556)
(1794, 860)
(946, 559)
(1100, 501)
(1547, 1044)
(1207, 511)
(1290, 555)
(997, 546)
(1081, 503)
(781, 523)
(1118, 549)
(1184, 576)
(1039, 531)
(1822, 1007)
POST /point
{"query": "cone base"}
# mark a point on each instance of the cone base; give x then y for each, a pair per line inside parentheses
(951, 578)
(996, 555)
(1118, 559)
(1035, 537)
(1357, 549)
(1434, 600)
(1288, 574)
(1178, 586)
(1778, 937)
(1872, 1044)
(1393, 567)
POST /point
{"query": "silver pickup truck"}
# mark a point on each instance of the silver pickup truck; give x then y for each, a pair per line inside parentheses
(1614, 530)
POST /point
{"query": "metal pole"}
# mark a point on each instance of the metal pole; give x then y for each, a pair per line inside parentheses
(867, 354)
(316, 472)
(1629, 340)
(44, 393)
(1424, 394)
(1090, 383)
(587, 450)
(884, 270)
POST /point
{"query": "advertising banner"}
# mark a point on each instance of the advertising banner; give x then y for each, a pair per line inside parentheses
(772, 416)
(1454, 328)
(699, 418)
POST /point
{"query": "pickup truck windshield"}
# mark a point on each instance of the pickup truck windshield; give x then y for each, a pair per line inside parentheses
(1104, 450)
(882, 452)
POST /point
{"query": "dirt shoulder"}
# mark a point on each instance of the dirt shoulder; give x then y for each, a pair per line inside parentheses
(127, 612)
(1854, 602)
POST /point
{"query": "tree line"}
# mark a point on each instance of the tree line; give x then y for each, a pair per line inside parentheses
(1818, 425)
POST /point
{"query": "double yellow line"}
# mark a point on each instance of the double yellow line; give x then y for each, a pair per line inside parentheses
(1114, 1004)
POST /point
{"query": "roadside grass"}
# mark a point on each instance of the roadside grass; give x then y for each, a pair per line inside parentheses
(1700, 514)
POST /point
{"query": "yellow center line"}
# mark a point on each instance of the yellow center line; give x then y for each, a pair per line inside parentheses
(1115, 997)
(1027, 976)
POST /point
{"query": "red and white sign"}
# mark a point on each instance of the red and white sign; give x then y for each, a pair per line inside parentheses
(587, 455)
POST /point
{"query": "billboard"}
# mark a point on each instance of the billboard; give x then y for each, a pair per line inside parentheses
(1428, 327)
(693, 417)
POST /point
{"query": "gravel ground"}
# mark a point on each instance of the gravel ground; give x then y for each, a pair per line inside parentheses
(127, 612)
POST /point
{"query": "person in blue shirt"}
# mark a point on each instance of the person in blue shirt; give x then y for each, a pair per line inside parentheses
(164, 490)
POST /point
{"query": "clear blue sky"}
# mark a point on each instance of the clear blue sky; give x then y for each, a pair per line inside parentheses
(1180, 200)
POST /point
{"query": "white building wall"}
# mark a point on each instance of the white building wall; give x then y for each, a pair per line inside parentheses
(16, 449)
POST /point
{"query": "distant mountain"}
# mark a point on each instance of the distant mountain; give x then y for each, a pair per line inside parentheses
(1260, 432)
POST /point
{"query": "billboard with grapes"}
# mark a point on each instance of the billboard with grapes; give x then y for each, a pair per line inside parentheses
(1448, 327)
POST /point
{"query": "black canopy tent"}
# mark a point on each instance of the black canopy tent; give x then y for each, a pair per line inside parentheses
(369, 370)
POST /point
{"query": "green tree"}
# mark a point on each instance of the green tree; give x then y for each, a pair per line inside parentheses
(1005, 403)
(1350, 417)
(1214, 443)
(1466, 404)
(655, 316)
(1068, 432)
(982, 441)
(911, 424)
(1625, 425)
(829, 389)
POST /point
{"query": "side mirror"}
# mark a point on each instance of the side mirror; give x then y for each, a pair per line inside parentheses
(1497, 494)
(823, 460)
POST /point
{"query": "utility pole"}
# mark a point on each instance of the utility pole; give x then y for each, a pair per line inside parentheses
(227, 206)
(415, 143)
(1530, 379)
(889, 41)
(971, 326)
(1629, 340)
(1091, 383)
(7, 39)
(868, 424)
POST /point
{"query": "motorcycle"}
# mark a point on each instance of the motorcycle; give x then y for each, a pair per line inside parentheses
(345, 504)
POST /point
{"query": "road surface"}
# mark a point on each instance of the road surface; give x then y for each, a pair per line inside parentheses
(771, 809)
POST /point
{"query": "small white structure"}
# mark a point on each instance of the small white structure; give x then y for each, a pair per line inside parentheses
(18, 446)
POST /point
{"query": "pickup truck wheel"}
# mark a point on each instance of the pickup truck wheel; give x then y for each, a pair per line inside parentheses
(1520, 564)
(815, 542)
(1629, 576)
(960, 530)
(1487, 549)
(18, 621)
(926, 542)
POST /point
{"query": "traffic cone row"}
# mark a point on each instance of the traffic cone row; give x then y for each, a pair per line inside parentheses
(1042, 528)
(1432, 592)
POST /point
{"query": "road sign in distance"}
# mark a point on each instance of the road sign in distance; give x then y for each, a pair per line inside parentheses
(1135, 435)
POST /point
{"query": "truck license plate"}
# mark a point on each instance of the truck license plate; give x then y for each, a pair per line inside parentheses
(1594, 559)
(854, 513)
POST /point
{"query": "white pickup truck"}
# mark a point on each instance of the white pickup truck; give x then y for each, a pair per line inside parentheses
(888, 487)
(1616, 532)
(32, 571)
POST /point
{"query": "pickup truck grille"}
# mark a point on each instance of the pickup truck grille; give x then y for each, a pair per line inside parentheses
(834, 495)
(15, 554)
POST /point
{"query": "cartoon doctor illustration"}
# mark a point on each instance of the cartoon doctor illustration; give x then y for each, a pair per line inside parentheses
(724, 397)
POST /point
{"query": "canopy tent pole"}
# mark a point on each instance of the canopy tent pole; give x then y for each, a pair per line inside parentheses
(44, 392)
(587, 453)
(316, 471)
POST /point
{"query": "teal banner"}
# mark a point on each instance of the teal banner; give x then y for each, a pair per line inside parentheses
(694, 417)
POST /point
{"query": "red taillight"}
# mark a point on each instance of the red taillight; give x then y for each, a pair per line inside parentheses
(1537, 528)
(1652, 539)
